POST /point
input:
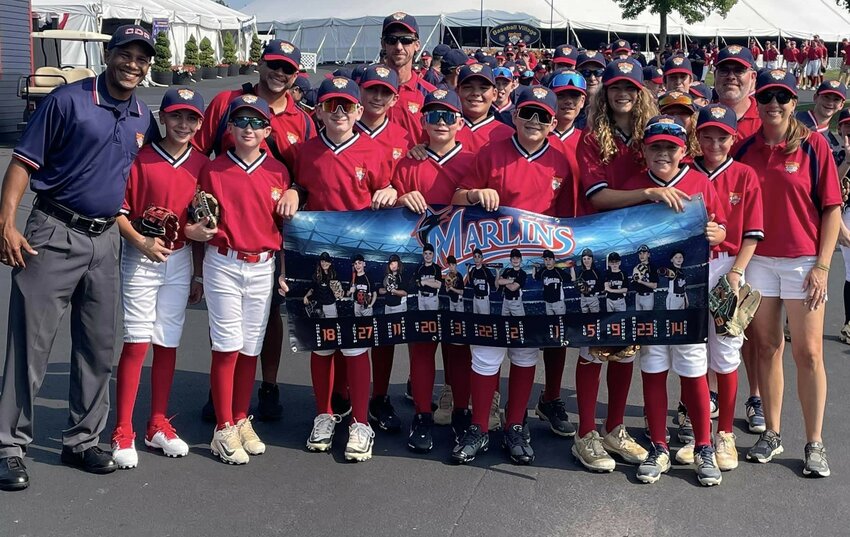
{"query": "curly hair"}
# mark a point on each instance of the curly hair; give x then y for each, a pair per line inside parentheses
(601, 119)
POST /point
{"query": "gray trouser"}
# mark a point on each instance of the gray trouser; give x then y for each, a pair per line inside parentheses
(589, 304)
(329, 311)
(73, 269)
(615, 305)
(512, 308)
(645, 302)
(556, 308)
(456, 306)
(481, 305)
(427, 303)
(361, 311)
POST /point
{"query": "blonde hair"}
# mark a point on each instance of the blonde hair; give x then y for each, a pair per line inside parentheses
(796, 134)
(601, 120)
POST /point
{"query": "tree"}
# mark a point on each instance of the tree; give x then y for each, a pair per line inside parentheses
(691, 10)
(256, 48)
(162, 60)
(228, 50)
(206, 57)
(190, 52)
(222, 2)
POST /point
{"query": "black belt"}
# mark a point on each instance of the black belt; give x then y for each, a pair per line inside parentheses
(645, 294)
(75, 221)
(513, 299)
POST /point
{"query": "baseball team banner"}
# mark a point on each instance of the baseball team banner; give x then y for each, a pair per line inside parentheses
(507, 278)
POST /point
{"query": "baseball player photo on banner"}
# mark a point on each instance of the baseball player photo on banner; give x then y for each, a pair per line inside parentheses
(505, 278)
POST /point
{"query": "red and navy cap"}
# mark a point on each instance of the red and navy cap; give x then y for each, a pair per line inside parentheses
(380, 75)
(455, 58)
(718, 115)
(700, 90)
(425, 54)
(251, 101)
(278, 49)
(441, 50)
(130, 33)
(182, 99)
(621, 45)
(665, 128)
(565, 54)
(844, 117)
(539, 96)
(776, 78)
(623, 69)
(502, 72)
(339, 87)
(489, 61)
(443, 98)
(673, 99)
(834, 87)
(590, 56)
(302, 83)
(654, 74)
(400, 21)
(678, 64)
(737, 54)
(475, 70)
(357, 72)
(500, 54)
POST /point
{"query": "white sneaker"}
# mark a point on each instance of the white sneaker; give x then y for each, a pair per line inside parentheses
(322, 435)
(361, 437)
(251, 443)
(445, 407)
(124, 449)
(227, 446)
(165, 438)
(685, 454)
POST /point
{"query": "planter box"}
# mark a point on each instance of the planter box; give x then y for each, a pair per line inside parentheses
(233, 70)
(162, 77)
(246, 69)
(208, 73)
(221, 71)
(181, 79)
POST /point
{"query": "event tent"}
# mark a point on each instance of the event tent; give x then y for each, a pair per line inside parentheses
(201, 18)
(349, 31)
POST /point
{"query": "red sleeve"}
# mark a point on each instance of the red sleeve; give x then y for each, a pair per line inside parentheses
(216, 109)
(829, 189)
(381, 174)
(753, 210)
(592, 176)
(132, 181)
(401, 178)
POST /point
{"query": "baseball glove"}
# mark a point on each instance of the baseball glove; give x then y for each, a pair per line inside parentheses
(641, 273)
(567, 263)
(613, 354)
(583, 287)
(158, 222)
(450, 280)
(390, 283)
(336, 289)
(202, 206)
(667, 272)
(732, 311)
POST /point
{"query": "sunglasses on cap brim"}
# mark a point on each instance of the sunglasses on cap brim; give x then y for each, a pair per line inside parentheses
(667, 129)
(781, 96)
(531, 113)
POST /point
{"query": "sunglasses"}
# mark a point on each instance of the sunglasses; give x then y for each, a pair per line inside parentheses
(394, 40)
(533, 113)
(587, 73)
(278, 65)
(566, 80)
(781, 96)
(433, 117)
(670, 129)
(255, 123)
(332, 106)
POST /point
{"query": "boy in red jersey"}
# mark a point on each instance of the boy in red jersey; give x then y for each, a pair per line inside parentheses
(476, 88)
(378, 94)
(238, 269)
(155, 276)
(342, 170)
(527, 173)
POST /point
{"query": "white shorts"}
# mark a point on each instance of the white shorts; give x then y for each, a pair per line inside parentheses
(724, 352)
(645, 302)
(362, 311)
(615, 305)
(589, 304)
(429, 303)
(685, 360)
(481, 305)
(238, 296)
(813, 68)
(487, 360)
(792, 67)
(556, 308)
(584, 354)
(513, 308)
(401, 308)
(154, 296)
(780, 277)
(329, 311)
(674, 301)
(772, 64)
(456, 306)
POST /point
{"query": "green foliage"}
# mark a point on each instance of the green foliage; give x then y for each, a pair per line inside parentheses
(190, 52)
(206, 56)
(257, 46)
(229, 50)
(692, 11)
(162, 60)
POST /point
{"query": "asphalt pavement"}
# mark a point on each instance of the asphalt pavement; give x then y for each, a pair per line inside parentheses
(289, 491)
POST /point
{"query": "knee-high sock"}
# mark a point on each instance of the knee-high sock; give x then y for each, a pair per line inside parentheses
(461, 358)
(655, 405)
(382, 367)
(727, 392)
(619, 379)
(446, 351)
(340, 383)
(322, 374)
(243, 385)
(696, 398)
(520, 383)
(221, 380)
(554, 361)
(359, 373)
(483, 388)
(127, 383)
(587, 390)
(422, 372)
(162, 376)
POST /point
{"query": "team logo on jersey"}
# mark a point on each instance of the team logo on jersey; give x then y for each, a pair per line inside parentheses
(678, 60)
(476, 67)
(360, 173)
(292, 138)
(398, 15)
(287, 47)
(249, 99)
(439, 94)
(185, 93)
(397, 152)
(734, 49)
(382, 72)
(277, 193)
(540, 92)
(140, 139)
(777, 74)
(625, 67)
(792, 167)
(413, 107)
(717, 112)
(734, 198)
(556, 182)
(340, 82)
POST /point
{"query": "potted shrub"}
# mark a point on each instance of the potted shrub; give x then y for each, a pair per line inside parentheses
(256, 49)
(161, 68)
(207, 60)
(184, 74)
(245, 67)
(229, 55)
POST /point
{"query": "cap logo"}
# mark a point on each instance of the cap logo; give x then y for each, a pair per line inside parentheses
(678, 61)
(135, 30)
(717, 112)
(399, 15)
(777, 74)
(277, 193)
(734, 49)
(413, 107)
(625, 67)
(382, 72)
(185, 94)
(476, 67)
(287, 47)
(249, 99)
(439, 94)
(622, 43)
(591, 54)
(540, 92)
(834, 83)
(567, 50)
(340, 82)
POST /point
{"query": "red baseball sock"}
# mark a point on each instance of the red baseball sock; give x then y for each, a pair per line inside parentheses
(162, 376)
(461, 359)
(727, 393)
(243, 385)
(340, 382)
(655, 405)
(445, 350)
(483, 388)
(619, 379)
(322, 374)
(358, 385)
(520, 383)
(382, 367)
(587, 390)
(422, 372)
(129, 373)
(696, 398)
(554, 361)
(222, 370)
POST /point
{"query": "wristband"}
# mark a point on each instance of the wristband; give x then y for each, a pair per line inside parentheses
(198, 279)
(469, 201)
(737, 270)
(821, 266)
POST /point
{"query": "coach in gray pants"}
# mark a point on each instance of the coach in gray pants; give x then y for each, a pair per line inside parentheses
(76, 155)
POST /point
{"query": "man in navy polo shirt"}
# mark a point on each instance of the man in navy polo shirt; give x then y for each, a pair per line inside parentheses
(76, 154)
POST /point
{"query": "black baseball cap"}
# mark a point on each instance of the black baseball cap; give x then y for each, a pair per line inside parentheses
(394, 257)
(324, 256)
(129, 33)
(613, 256)
(428, 247)
(477, 251)
(547, 254)
(587, 252)
(516, 253)
(643, 248)
(441, 50)
(359, 257)
(451, 260)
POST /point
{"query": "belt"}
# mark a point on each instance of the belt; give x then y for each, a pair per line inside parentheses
(513, 299)
(481, 297)
(246, 257)
(679, 295)
(75, 221)
(644, 294)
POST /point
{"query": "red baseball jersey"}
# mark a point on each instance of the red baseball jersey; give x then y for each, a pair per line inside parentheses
(771, 54)
(436, 178)
(406, 111)
(474, 136)
(756, 50)
(748, 124)
(290, 126)
(392, 137)
(739, 191)
(689, 181)
(795, 188)
(813, 53)
(248, 193)
(528, 181)
(156, 178)
(567, 143)
(596, 175)
(341, 177)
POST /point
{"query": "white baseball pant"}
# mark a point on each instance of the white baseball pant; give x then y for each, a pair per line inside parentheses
(724, 352)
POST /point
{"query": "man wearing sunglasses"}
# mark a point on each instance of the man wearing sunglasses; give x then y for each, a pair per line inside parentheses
(734, 79)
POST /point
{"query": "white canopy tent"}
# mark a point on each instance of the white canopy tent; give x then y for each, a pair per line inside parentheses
(344, 31)
(201, 18)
